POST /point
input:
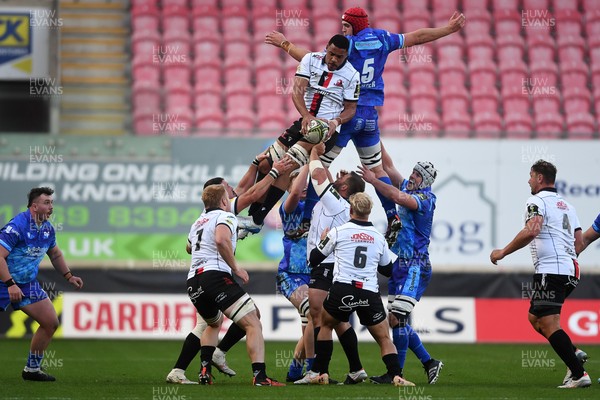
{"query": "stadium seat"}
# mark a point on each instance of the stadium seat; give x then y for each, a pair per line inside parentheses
(415, 19)
(143, 121)
(237, 49)
(145, 95)
(234, 18)
(208, 77)
(266, 55)
(178, 96)
(175, 18)
(596, 76)
(479, 23)
(456, 125)
(565, 5)
(394, 80)
(423, 99)
(205, 18)
(549, 126)
(545, 105)
(543, 75)
(484, 99)
(535, 5)
(180, 3)
(273, 102)
(510, 47)
(568, 22)
(208, 100)
(449, 48)
(515, 100)
(590, 5)
(592, 23)
(272, 4)
(576, 100)
(177, 46)
(240, 121)
(482, 74)
(488, 125)
(475, 5)
(272, 119)
(571, 49)
(421, 73)
(452, 72)
(145, 17)
(505, 5)
(239, 100)
(454, 98)
(177, 74)
(179, 121)
(580, 126)
(139, 3)
(410, 5)
(388, 23)
(507, 22)
(444, 6)
(518, 125)
(144, 69)
(237, 71)
(268, 80)
(512, 73)
(480, 47)
(573, 74)
(145, 42)
(293, 4)
(206, 49)
(541, 47)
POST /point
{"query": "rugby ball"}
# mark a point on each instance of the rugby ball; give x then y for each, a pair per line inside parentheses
(317, 130)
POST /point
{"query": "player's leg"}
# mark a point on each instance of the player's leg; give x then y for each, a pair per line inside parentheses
(42, 311)
(189, 350)
(299, 298)
(550, 292)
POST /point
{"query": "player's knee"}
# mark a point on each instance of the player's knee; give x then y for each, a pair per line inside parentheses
(200, 327)
(242, 308)
(402, 307)
(371, 156)
(328, 157)
(216, 321)
(299, 154)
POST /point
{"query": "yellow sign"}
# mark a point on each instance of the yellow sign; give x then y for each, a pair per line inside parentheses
(15, 30)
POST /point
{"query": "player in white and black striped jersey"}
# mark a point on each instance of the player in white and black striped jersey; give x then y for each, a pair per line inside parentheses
(553, 232)
(360, 252)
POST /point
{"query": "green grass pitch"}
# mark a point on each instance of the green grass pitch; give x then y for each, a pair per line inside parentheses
(112, 369)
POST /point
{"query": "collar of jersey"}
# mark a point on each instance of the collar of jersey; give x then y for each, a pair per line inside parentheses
(362, 223)
(548, 189)
(211, 209)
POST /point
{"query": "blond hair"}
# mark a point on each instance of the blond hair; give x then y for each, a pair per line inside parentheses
(212, 195)
(361, 204)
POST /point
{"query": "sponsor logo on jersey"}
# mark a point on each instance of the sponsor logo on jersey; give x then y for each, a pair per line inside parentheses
(362, 237)
(368, 45)
(9, 229)
(202, 221)
(339, 83)
(350, 304)
(318, 56)
(194, 295)
(220, 297)
(562, 205)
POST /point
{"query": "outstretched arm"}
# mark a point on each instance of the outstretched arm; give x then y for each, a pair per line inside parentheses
(389, 191)
(425, 35)
(296, 191)
(389, 167)
(524, 237)
(278, 40)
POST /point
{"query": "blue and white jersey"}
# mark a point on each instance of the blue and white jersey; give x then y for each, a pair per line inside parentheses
(294, 250)
(596, 224)
(414, 237)
(27, 244)
(368, 52)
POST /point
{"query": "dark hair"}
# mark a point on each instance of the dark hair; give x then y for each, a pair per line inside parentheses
(214, 181)
(546, 169)
(339, 41)
(355, 184)
(37, 192)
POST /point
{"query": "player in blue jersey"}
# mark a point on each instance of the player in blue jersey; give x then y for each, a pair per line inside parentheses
(412, 270)
(23, 243)
(368, 53)
(589, 236)
(293, 273)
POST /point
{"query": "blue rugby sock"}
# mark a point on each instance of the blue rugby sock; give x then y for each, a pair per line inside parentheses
(295, 370)
(400, 338)
(34, 360)
(415, 344)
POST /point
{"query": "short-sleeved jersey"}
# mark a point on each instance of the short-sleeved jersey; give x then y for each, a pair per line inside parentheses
(327, 90)
(358, 249)
(332, 210)
(415, 235)
(27, 244)
(596, 224)
(369, 50)
(553, 249)
(205, 255)
(294, 250)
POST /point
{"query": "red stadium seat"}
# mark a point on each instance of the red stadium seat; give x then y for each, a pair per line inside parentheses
(415, 19)
(272, 120)
(410, 5)
(590, 5)
(450, 48)
(596, 76)
(180, 3)
(580, 126)
(512, 73)
(326, 24)
(515, 100)
(541, 47)
(270, 80)
(487, 125)
(455, 98)
(421, 74)
(203, 99)
(239, 101)
(272, 4)
(549, 126)
(265, 55)
(423, 99)
(576, 100)
(145, 17)
(452, 72)
(237, 71)
(571, 49)
(234, 18)
(177, 74)
(208, 77)
(273, 102)
(179, 121)
(479, 22)
(145, 42)
(543, 105)
(388, 23)
(145, 95)
(208, 119)
(205, 19)
(543, 74)
(143, 123)
(445, 6)
(178, 46)
(518, 125)
(592, 23)
(568, 22)
(506, 4)
(574, 74)
(178, 96)
(293, 4)
(456, 125)
(237, 49)
(482, 74)
(139, 3)
(240, 121)
(175, 18)
(144, 69)
(480, 47)
(475, 5)
(510, 47)
(507, 22)
(565, 5)
(484, 99)
(535, 5)
(206, 49)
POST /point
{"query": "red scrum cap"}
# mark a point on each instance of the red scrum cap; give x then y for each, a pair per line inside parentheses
(357, 17)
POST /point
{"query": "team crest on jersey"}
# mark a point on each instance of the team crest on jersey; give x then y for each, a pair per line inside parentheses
(323, 243)
(532, 211)
(422, 196)
(562, 205)
(357, 91)
(339, 83)
(362, 237)
(334, 192)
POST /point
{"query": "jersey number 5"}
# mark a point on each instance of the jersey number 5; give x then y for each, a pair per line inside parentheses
(368, 71)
